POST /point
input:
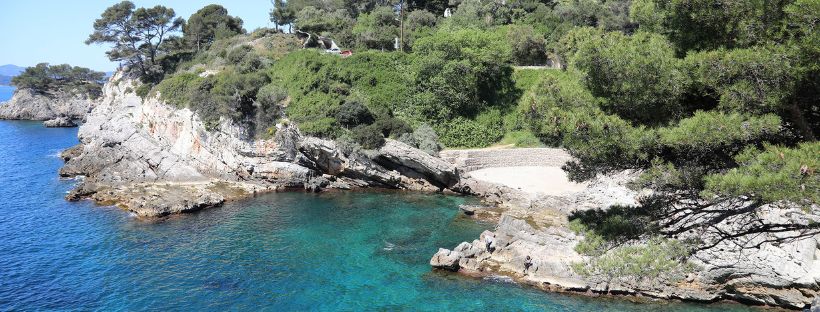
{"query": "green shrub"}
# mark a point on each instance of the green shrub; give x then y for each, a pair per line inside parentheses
(239, 54)
(268, 104)
(638, 75)
(392, 127)
(462, 132)
(323, 127)
(143, 90)
(521, 139)
(774, 174)
(352, 113)
(177, 89)
(368, 137)
(657, 258)
(424, 138)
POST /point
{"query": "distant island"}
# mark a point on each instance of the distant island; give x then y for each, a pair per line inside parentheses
(9, 71)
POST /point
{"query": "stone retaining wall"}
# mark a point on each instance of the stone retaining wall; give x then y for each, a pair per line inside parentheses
(475, 159)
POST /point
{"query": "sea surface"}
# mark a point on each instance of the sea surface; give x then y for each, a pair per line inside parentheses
(6, 93)
(336, 251)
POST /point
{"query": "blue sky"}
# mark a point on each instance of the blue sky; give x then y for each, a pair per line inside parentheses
(34, 31)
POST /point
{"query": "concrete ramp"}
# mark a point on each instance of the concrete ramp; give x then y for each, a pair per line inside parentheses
(531, 170)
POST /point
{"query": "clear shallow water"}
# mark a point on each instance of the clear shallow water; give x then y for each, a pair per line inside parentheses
(278, 252)
(6, 92)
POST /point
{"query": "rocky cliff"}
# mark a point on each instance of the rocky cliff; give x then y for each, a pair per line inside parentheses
(154, 159)
(29, 105)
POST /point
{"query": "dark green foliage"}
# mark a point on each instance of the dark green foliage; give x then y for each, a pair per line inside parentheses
(377, 29)
(368, 137)
(392, 127)
(334, 23)
(44, 78)
(352, 113)
(706, 24)
(137, 35)
(462, 73)
(282, 13)
(775, 174)
(638, 75)
(484, 131)
(756, 80)
(269, 101)
(528, 48)
(210, 23)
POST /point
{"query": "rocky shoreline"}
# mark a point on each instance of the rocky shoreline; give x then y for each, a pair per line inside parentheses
(27, 104)
(533, 244)
(155, 160)
(134, 152)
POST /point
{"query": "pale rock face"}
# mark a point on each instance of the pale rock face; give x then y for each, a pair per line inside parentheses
(59, 122)
(129, 143)
(784, 275)
(29, 105)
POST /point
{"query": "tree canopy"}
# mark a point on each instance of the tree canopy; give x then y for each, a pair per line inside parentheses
(137, 36)
(210, 23)
(44, 78)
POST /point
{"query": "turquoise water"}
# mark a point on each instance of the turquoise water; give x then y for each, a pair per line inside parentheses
(6, 93)
(279, 252)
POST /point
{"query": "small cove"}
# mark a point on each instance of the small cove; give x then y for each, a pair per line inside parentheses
(349, 251)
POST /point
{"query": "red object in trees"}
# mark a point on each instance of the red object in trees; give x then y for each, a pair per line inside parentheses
(346, 53)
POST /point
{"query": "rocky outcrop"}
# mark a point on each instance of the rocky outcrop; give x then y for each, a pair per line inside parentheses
(532, 244)
(59, 122)
(134, 152)
(30, 105)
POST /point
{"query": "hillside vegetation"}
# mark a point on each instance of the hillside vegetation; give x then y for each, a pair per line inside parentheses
(711, 101)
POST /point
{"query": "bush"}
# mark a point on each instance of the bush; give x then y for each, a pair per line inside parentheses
(521, 139)
(657, 258)
(467, 133)
(177, 89)
(392, 127)
(268, 105)
(352, 113)
(369, 137)
(239, 54)
(774, 174)
(528, 48)
(424, 138)
(638, 75)
(323, 127)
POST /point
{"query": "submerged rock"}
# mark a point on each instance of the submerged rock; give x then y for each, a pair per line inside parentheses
(59, 122)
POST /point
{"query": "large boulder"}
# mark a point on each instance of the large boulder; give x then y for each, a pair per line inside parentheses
(396, 155)
(59, 122)
(446, 259)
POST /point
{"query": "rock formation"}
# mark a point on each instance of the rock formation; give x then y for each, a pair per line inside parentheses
(59, 122)
(154, 159)
(29, 105)
(533, 244)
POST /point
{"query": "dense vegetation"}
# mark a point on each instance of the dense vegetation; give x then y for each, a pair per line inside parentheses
(44, 78)
(711, 101)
